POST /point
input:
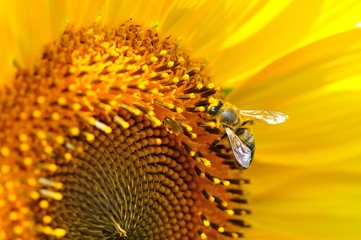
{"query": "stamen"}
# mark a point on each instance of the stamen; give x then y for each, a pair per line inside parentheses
(121, 122)
(51, 194)
(50, 183)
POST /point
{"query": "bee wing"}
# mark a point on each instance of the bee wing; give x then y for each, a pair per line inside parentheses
(270, 117)
(242, 153)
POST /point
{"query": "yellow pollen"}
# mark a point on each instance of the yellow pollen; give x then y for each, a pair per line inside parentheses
(5, 169)
(216, 180)
(153, 59)
(89, 137)
(44, 204)
(235, 235)
(55, 116)
(5, 151)
(201, 109)
(60, 139)
(141, 86)
(48, 149)
(24, 147)
(13, 216)
(47, 219)
(18, 230)
(48, 230)
(73, 69)
(203, 236)
(192, 153)
(188, 127)
(32, 181)
(165, 75)
(158, 141)
(153, 74)
(59, 232)
(170, 64)
(40, 99)
(138, 58)
(36, 113)
(41, 134)
(185, 77)
(212, 100)
(211, 85)
(230, 212)
(68, 156)
(24, 210)
(23, 137)
(34, 195)
(163, 52)
(61, 101)
(220, 229)
(226, 183)
(12, 197)
(50, 166)
(9, 185)
(72, 87)
(27, 161)
(206, 222)
(154, 91)
(120, 121)
(74, 131)
(76, 106)
(154, 119)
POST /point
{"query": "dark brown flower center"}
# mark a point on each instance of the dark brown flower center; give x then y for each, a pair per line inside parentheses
(104, 139)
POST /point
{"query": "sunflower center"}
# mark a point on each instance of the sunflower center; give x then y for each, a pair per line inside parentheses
(107, 138)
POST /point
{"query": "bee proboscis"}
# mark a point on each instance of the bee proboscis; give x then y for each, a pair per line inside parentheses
(233, 122)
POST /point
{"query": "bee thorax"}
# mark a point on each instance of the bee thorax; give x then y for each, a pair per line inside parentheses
(229, 117)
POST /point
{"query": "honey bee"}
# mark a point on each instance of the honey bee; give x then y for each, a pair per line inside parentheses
(233, 122)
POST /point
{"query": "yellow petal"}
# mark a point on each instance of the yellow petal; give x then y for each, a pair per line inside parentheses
(321, 204)
(82, 12)
(116, 12)
(204, 25)
(298, 24)
(323, 127)
(29, 26)
(6, 47)
(309, 68)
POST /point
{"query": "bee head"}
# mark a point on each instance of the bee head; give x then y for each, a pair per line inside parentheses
(214, 110)
(229, 117)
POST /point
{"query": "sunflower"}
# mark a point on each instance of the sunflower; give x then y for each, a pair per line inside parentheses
(107, 129)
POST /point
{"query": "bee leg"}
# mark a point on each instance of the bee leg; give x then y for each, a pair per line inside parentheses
(218, 140)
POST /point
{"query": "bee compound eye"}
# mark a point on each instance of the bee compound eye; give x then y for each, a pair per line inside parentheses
(213, 111)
